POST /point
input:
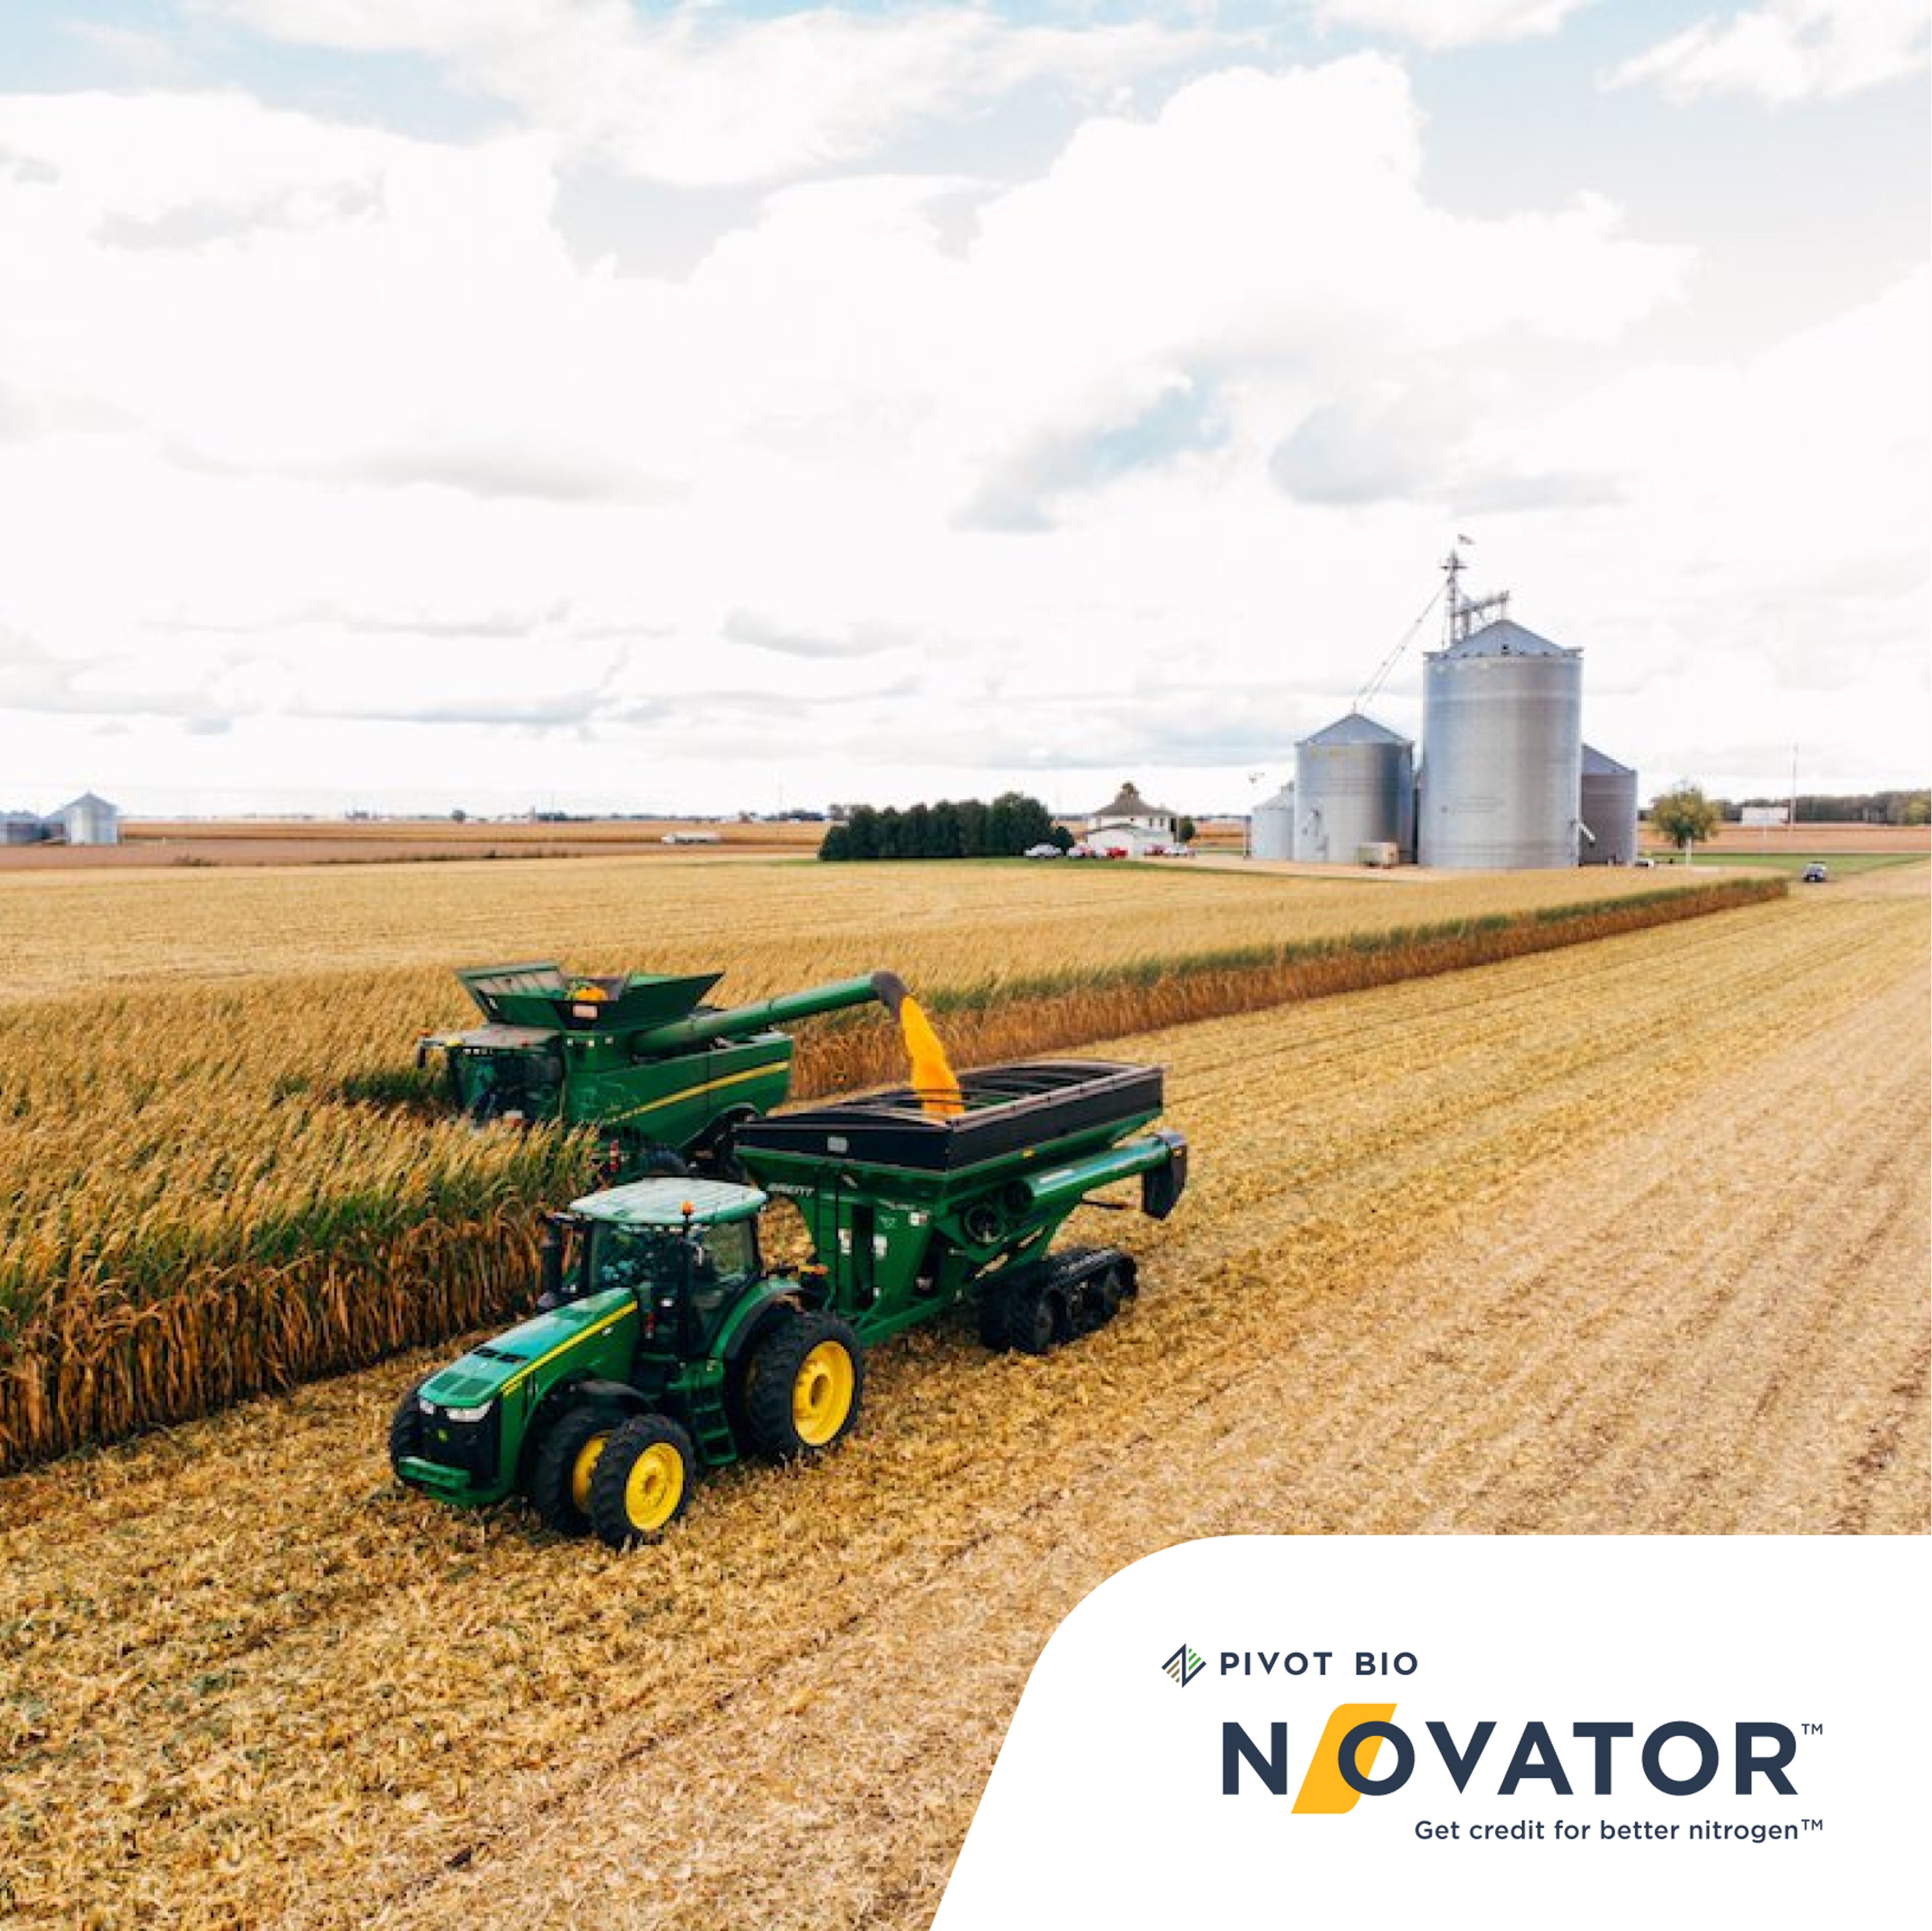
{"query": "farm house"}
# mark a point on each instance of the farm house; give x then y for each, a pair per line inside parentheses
(1129, 824)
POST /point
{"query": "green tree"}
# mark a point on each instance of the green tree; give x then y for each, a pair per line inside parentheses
(999, 832)
(862, 833)
(835, 845)
(1030, 821)
(1685, 816)
(943, 831)
(973, 828)
(1183, 831)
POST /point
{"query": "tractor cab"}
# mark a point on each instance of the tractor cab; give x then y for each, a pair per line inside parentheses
(685, 1249)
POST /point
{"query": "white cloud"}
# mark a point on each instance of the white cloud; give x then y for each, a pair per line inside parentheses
(1450, 23)
(910, 474)
(693, 99)
(1788, 50)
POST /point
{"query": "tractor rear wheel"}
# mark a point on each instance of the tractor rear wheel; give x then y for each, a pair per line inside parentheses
(803, 1384)
(642, 1481)
(993, 1316)
(406, 1426)
(1033, 1322)
(564, 1465)
(1100, 1299)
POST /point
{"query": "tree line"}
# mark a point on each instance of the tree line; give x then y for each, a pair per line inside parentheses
(954, 828)
(1856, 807)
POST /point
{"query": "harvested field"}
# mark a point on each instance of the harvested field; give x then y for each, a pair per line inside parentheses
(1631, 1237)
(767, 926)
(215, 1189)
(148, 844)
(1906, 840)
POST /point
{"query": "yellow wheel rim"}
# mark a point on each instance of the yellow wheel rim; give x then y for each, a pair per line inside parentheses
(654, 1488)
(821, 1397)
(581, 1471)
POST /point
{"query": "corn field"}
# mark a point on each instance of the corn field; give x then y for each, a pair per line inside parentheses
(223, 1176)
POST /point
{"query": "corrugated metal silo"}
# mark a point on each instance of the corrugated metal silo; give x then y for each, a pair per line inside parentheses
(1502, 736)
(1353, 782)
(1607, 807)
(89, 820)
(1271, 827)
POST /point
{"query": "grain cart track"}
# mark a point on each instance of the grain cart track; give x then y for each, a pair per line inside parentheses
(1632, 1238)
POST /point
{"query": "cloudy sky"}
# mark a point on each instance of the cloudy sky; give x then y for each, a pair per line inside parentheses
(595, 404)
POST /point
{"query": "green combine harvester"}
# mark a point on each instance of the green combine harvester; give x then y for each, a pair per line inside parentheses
(665, 1078)
(662, 1345)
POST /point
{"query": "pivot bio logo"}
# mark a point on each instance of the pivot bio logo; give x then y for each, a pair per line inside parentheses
(1184, 1666)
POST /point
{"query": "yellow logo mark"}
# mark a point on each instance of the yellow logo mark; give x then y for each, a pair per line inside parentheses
(1324, 1792)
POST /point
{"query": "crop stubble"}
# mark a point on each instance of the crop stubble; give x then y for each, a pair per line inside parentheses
(1639, 1245)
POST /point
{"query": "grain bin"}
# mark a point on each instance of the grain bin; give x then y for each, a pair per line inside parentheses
(1607, 810)
(89, 820)
(1352, 784)
(1502, 752)
(1271, 827)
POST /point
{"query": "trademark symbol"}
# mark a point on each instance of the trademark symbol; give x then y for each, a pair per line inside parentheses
(1814, 1823)
(1814, 1729)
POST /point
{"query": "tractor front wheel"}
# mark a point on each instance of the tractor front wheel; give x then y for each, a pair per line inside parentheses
(802, 1386)
(406, 1427)
(564, 1465)
(642, 1481)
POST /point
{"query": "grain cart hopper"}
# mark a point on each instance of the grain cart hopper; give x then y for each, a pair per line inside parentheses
(663, 1346)
(638, 1056)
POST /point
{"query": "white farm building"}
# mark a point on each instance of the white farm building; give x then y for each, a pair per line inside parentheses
(1128, 824)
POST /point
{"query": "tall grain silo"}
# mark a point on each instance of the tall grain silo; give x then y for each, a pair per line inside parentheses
(1606, 807)
(1502, 738)
(1353, 783)
(1271, 825)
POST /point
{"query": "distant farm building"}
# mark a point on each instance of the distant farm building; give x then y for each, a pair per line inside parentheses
(1607, 811)
(1130, 824)
(1129, 840)
(85, 821)
(89, 820)
(1271, 828)
(1355, 787)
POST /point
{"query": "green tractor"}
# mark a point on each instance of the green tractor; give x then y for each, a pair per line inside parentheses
(662, 1345)
(665, 1078)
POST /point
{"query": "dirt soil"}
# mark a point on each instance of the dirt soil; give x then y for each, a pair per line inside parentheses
(1631, 1238)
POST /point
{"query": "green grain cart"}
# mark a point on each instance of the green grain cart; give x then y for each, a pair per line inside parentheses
(665, 1078)
(663, 1346)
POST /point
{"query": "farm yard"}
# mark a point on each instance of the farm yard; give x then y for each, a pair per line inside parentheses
(1629, 1236)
